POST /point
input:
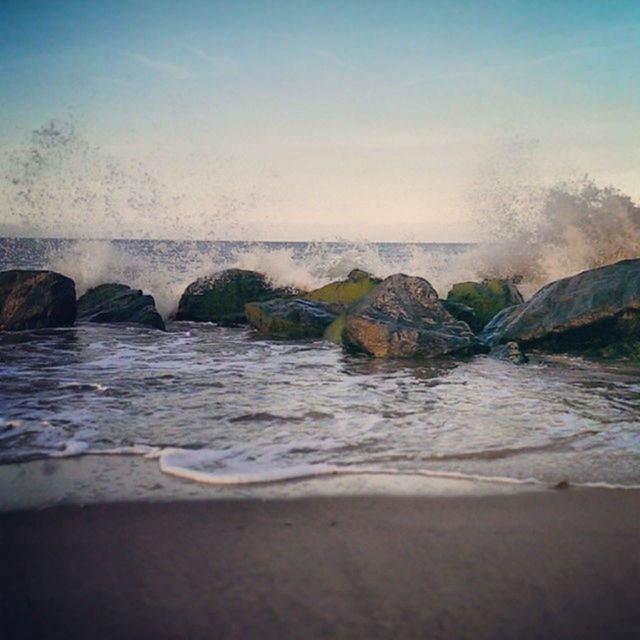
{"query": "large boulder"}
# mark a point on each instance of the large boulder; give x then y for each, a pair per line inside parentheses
(595, 312)
(403, 318)
(478, 302)
(36, 300)
(343, 293)
(119, 303)
(221, 297)
(292, 318)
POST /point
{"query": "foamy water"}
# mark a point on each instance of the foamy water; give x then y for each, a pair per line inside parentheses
(225, 406)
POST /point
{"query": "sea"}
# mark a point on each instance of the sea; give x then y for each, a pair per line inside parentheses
(226, 406)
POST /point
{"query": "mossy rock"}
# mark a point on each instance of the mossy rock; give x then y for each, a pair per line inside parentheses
(485, 299)
(333, 332)
(292, 318)
(464, 313)
(114, 302)
(344, 293)
(221, 298)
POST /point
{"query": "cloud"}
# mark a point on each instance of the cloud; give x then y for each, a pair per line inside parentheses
(582, 51)
(327, 55)
(162, 66)
(222, 65)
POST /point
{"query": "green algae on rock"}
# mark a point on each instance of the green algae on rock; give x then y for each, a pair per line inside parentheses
(345, 292)
(290, 318)
(485, 299)
(333, 332)
(222, 297)
(114, 302)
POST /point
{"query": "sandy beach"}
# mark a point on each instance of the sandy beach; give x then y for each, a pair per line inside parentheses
(549, 564)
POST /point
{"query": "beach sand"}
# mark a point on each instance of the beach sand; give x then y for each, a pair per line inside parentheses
(548, 564)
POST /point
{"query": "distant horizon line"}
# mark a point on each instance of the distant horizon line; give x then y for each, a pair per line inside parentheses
(341, 241)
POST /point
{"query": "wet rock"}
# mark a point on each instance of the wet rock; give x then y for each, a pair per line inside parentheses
(119, 303)
(510, 352)
(343, 293)
(464, 313)
(292, 318)
(596, 313)
(485, 299)
(222, 297)
(403, 318)
(334, 331)
(36, 300)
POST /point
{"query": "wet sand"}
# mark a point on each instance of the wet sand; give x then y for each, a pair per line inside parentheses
(552, 564)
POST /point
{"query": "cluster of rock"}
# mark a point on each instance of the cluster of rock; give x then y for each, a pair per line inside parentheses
(45, 299)
(596, 312)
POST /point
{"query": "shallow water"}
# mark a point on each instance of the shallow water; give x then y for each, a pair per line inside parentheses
(223, 405)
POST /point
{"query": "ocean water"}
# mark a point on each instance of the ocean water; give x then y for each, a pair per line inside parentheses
(226, 406)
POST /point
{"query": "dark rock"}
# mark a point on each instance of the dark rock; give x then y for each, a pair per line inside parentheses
(36, 300)
(595, 313)
(464, 313)
(292, 318)
(510, 352)
(485, 299)
(403, 318)
(344, 293)
(119, 303)
(221, 297)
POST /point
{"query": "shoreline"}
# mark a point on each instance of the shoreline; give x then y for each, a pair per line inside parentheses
(116, 478)
(557, 564)
(95, 478)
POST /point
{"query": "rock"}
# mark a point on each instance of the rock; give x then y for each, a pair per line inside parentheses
(510, 352)
(596, 312)
(36, 300)
(292, 318)
(334, 331)
(343, 293)
(485, 299)
(403, 318)
(119, 303)
(222, 297)
(464, 313)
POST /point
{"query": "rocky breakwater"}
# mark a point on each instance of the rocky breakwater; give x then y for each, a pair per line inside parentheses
(309, 315)
(594, 313)
(404, 318)
(119, 303)
(36, 300)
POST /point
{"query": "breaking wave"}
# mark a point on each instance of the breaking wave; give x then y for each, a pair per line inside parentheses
(532, 232)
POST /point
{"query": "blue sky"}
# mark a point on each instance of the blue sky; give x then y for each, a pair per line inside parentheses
(324, 119)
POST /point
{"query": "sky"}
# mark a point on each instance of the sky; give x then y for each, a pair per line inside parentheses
(306, 119)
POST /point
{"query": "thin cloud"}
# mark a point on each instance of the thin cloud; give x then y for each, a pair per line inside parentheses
(222, 65)
(162, 66)
(582, 51)
(522, 67)
(327, 55)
